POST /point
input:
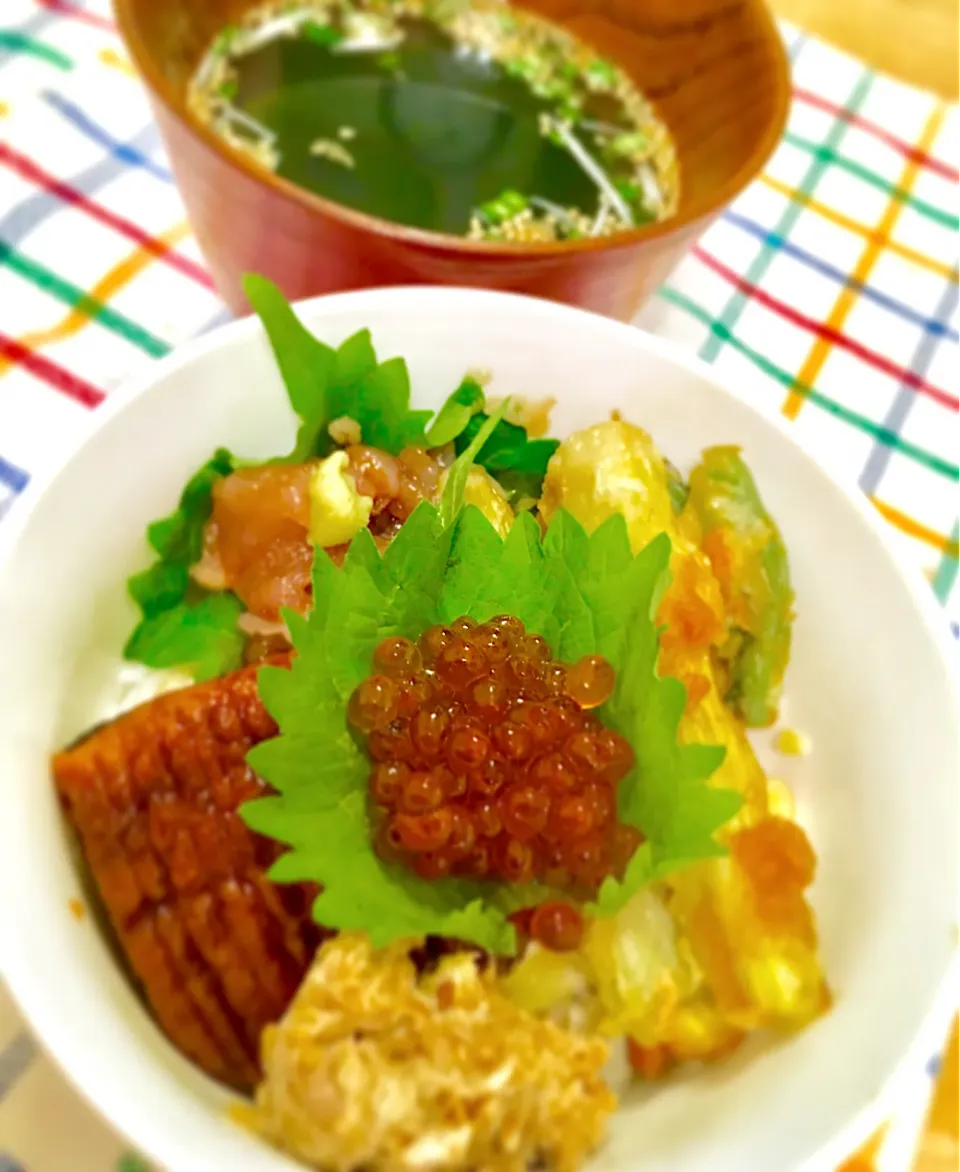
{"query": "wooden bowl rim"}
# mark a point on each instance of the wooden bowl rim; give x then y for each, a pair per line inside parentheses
(703, 208)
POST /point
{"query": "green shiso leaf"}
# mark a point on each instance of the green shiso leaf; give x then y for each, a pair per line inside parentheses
(325, 384)
(584, 594)
(177, 630)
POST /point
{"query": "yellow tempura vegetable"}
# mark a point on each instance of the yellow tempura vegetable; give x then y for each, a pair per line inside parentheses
(629, 976)
(485, 494)
(746, 916)
(752, 929)
(640, 970)
(710, 722)
(745, 951)
(750, 560)
(614, 467)
(609, 468)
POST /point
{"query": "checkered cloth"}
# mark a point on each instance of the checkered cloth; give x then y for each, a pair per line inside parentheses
(828, 292)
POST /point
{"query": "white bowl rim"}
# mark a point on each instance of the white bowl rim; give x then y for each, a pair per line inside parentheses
(81, 1068)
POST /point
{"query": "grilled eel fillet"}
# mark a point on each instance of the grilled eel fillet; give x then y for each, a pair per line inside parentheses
(153, 797)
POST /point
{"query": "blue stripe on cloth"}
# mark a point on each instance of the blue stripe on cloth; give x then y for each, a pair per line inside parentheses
(221, 318)
(934, 326)
(793, 49)
(100, 135)
(903, 401)
(739, 298)
(17, 225)
(15, 1061)
(12, 476)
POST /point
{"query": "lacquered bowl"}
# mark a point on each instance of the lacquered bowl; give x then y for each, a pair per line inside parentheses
(870, 682)
(714, 68)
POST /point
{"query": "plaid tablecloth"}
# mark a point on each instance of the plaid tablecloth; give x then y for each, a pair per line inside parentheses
(828, 292)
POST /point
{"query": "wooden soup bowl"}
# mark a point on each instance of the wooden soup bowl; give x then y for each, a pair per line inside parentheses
(715, 70)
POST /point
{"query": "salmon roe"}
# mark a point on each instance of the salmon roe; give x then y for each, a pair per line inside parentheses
(488, 762)
(555, 924)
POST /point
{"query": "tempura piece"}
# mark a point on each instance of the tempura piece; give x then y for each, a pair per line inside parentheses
(612, 467)
(375, 1067)
(750, 561)
(742, 925)
(485, 493)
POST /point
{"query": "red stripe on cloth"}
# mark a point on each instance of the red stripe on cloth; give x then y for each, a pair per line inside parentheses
(828, 333)
(27, 169)
(74, 10)
(908, 150)
(51, 372)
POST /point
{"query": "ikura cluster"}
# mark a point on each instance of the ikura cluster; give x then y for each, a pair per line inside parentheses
(488, 760)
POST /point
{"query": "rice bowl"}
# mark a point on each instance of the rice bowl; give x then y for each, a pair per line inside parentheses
(886, 656)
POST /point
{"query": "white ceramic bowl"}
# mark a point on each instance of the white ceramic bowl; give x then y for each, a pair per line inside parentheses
(870, 683)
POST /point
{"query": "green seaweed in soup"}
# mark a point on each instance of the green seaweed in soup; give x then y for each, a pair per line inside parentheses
(477, 120)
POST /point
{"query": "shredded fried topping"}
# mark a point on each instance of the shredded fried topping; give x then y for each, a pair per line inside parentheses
(375, 1066)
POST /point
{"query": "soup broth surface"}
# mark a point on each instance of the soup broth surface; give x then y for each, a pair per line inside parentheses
(482, 121)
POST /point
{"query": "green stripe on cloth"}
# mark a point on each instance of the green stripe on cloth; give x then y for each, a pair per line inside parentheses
(735, 306)
(130, 1162)
(946, 574)
(883, 434)
(828, 155)
(21, 43)
(81, 301)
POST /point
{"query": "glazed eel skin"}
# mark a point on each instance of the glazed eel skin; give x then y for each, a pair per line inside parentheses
(217, 948)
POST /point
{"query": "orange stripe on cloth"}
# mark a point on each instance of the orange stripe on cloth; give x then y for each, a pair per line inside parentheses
(913, 528)
(865, 1159)
(920, 259)
(116, 61)
(847, 297)
(107, 287)
(944, 1112)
